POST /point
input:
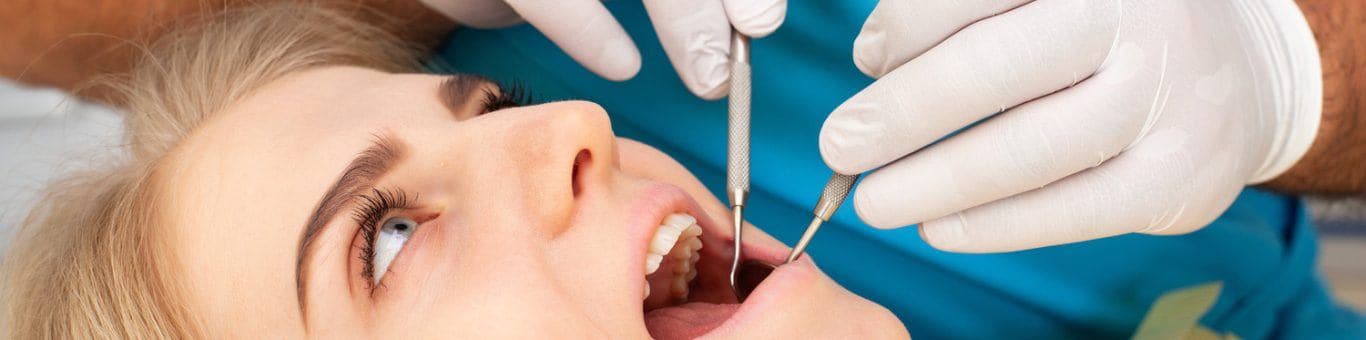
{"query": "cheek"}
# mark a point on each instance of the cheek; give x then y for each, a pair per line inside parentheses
(456, 277)
(594, 238)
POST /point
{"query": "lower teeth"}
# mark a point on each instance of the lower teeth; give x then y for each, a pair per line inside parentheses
(684, 271)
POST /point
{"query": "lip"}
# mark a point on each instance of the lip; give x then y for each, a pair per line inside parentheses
(652, 205)
(787, 280)
(659, 200)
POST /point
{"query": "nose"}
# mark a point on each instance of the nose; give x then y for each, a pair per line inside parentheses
(570, 150)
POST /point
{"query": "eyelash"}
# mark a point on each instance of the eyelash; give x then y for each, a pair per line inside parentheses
(513, 95)
(370, 209)
(377, 203)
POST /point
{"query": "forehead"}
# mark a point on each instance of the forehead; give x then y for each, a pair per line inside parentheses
(242, 185)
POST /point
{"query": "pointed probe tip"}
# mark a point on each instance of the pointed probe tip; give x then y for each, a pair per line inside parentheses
(810, 233)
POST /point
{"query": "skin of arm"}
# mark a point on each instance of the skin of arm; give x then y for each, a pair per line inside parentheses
(67, 43)
(1336, 162)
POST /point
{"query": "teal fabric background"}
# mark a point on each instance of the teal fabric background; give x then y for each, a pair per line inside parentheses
(1263, 248)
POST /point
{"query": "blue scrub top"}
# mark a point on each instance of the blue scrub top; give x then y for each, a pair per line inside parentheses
(1262, 249)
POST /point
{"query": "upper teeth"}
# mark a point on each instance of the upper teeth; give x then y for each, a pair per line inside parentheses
(677, 238)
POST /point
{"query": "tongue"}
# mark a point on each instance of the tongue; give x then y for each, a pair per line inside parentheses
(687, 321)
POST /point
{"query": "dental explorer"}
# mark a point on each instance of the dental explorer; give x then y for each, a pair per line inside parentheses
(832, 196)
(737, 156)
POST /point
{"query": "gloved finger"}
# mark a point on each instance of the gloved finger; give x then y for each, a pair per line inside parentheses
(1024, 148)
(476, 13)
(586, 31)
(897, 31)
(756, 18)
(696, 37)
(1144, 189)
(987, 67)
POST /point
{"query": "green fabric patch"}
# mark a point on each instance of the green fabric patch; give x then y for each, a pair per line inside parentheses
(1176, 315)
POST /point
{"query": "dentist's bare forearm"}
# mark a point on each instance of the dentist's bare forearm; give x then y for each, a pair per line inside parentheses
(67, 43)
(1336, 163)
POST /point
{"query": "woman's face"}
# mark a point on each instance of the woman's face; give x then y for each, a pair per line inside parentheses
(344, 202)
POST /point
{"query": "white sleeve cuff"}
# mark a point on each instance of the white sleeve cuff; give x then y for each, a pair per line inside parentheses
(1298, 75)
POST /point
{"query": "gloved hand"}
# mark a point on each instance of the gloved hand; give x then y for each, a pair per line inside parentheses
(1141, 116)
(695, 34)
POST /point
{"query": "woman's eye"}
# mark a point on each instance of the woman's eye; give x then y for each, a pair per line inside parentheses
(388, 241)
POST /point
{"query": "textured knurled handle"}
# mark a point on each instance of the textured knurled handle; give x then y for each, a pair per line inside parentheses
(737, 169)
(836, 190)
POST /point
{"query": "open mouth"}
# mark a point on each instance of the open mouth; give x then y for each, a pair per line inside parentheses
(687, 290)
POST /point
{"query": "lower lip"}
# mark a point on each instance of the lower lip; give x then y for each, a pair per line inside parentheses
(786, 281)
(699, 319)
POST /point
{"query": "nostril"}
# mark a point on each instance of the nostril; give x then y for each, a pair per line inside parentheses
(581, 160)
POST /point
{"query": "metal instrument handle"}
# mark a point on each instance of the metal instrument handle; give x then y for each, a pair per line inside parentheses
(836, 190)
(832, 196)
(737, 156)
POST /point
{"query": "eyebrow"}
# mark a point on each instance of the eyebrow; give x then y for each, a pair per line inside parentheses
(457, 90)
(360, 175)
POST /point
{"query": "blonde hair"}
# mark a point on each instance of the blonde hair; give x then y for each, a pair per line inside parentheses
(92, 259)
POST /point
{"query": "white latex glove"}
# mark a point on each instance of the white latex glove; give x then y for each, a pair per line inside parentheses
(695, 34)
(1141, 116)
